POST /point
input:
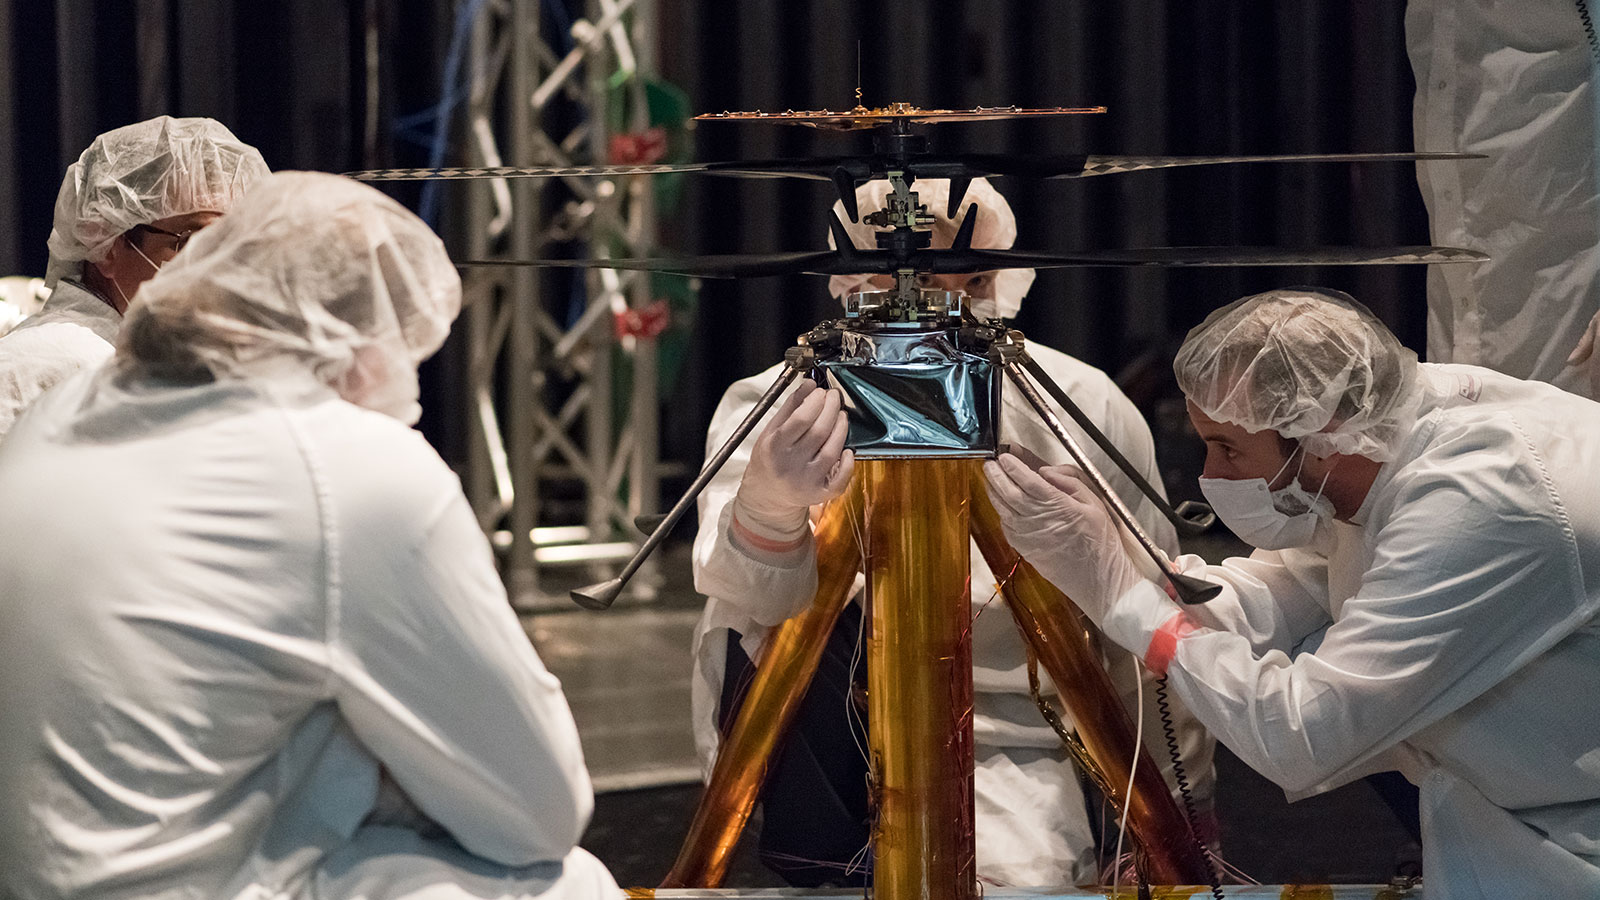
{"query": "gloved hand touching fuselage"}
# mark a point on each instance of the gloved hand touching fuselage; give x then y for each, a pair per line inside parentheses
(1062, 528)
(798, 460)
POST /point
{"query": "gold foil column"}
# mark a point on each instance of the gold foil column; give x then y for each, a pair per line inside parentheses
(1052, 627)
(919, 676)
(784, 670)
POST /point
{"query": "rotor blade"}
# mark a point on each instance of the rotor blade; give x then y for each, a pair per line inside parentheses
(1216, 256)
(520, 172)
(961, 168)
(736, 265)
(828, 262)
(964, 166)
(820, 169)
(1112, 165)
(837, 169)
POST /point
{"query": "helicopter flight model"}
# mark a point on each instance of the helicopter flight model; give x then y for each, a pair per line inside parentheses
(921, 378)
(901, 155)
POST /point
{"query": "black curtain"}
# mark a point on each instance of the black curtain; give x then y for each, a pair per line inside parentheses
(285, 76)
(1200, 77)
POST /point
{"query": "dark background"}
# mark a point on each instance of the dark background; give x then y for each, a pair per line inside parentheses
(1204, 77)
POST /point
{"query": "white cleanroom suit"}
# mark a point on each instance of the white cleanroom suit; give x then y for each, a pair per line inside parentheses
(1453, 635)
(74, 330)
(127, 177)
(1516, 83)
(1442, 618)
(1032, 827)
(256, 646)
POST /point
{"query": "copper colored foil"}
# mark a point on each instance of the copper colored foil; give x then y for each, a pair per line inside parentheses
(1053, 627)
(787, 663)
(919, 677)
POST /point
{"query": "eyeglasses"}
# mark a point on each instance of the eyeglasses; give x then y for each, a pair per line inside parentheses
(179, 238)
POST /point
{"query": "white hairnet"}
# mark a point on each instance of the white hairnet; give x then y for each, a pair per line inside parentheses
(1309, 363)
(996, 230)
(312, 268)
(142, 172)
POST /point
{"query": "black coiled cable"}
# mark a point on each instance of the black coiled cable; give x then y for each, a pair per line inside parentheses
(1182, 777)
(1588, 29)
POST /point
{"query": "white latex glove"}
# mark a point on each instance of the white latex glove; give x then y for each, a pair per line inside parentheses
(1053, 518)
(1584, 352)
(798, 460)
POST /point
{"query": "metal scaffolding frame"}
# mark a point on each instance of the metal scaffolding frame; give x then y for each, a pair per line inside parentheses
(540, 390)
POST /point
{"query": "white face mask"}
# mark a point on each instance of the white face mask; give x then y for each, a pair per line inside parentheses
(1262, 517)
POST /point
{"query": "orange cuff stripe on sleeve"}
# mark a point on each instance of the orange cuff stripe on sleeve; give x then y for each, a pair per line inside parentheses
(1164, 643)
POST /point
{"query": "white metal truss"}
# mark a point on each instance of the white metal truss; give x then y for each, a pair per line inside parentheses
(540, 389)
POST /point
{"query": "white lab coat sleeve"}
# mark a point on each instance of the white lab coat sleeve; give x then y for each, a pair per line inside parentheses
(768, 591)
(1474, 573)
(74, 331)
(1271, 598)
(438, 680)
(35, 359)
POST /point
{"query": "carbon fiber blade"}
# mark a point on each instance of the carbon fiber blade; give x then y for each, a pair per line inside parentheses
(521, 172)
(973, 165)
(828, 262)
(1221, 256)
(815, 169)
(736, 265)
(1005, 164)
(1113, 165)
